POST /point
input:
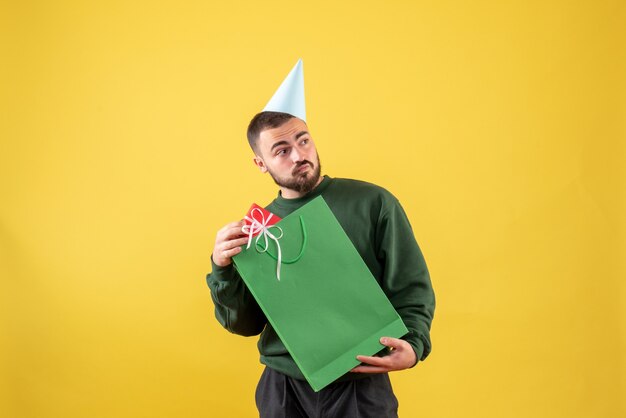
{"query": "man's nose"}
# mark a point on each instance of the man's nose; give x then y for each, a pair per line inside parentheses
(295, 155)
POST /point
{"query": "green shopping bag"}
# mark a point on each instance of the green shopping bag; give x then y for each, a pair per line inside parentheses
(318, 293)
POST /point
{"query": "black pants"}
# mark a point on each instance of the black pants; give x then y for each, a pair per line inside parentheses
(280, 396)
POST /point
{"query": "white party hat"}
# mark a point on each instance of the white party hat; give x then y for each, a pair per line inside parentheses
(289, 98)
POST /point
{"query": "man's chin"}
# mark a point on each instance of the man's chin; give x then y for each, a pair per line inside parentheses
(301, 182)
(306, 182)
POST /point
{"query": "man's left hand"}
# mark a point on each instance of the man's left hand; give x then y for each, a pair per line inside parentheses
(402, 357)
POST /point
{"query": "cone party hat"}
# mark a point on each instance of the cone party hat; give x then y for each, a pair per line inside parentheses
(289, 98)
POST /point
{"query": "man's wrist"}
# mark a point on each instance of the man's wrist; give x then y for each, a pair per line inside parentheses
(418, 349)
(221, 272)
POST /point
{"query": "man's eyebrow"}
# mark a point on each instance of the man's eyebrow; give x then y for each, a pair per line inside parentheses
(278, 144)
(299, 134)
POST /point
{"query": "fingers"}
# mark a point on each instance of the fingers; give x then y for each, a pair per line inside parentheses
(375, 361)
(401, 357)
(224, 251)
(370, 369)
(232, 230)
(228, 243)
(375, 364)
(232, 247)
(393, 342)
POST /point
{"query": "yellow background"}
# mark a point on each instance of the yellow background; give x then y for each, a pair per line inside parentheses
(500, 126)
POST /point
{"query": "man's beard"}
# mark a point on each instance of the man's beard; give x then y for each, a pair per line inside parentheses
(301, 183)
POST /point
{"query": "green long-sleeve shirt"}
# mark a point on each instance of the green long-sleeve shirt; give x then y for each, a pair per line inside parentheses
(379, 229)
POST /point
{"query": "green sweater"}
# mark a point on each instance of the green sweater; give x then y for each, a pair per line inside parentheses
(379, 229)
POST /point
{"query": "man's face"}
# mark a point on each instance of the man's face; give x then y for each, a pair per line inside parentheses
(289, 155)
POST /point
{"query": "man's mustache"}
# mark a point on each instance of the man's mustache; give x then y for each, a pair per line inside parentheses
(297, 167)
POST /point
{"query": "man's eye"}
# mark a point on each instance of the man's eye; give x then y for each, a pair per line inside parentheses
(304, 141)
(281, 152)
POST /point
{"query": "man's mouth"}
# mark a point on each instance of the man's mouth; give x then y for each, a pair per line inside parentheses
(302, 167)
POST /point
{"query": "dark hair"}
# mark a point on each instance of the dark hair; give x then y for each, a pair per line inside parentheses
(265, 120)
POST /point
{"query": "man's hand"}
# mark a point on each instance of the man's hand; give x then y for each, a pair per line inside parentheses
(402, 357)
(228, 243)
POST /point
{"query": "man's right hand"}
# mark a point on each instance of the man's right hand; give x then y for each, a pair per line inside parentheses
(228, 243)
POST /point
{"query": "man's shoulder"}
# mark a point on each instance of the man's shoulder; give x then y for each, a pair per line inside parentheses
(361, 187)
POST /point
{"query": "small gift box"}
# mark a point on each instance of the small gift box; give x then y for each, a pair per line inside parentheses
(257, 219)
(316, 291)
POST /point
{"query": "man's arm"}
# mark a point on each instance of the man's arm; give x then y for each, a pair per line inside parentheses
(406, 282)
(235, 307)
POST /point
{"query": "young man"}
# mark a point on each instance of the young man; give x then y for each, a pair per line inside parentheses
(379, 229)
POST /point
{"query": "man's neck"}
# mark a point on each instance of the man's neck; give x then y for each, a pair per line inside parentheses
(293, 194)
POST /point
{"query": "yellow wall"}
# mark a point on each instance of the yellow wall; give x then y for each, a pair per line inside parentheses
(500, 125)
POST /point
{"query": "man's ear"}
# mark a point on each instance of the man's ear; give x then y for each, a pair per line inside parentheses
(258, 161)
